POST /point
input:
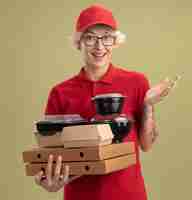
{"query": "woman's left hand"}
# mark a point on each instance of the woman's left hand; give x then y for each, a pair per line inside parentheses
(160, 91)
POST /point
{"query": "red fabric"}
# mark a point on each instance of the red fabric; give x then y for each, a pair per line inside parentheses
(95, 14)
(74, 96)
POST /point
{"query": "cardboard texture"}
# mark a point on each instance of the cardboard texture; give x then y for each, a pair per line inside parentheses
(78, 136)
(87, 149)
(79, 154)
(88, 168)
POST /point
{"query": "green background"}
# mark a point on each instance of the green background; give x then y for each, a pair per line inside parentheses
(36, 53)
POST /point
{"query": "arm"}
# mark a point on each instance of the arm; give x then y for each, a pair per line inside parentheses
(54, 179)
(148, 132)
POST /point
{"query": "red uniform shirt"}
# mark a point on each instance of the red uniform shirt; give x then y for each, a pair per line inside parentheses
(73, 96)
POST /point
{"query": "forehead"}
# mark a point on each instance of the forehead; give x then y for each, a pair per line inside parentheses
(99, 29)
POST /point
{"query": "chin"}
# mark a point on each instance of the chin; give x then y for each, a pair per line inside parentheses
(99, 64)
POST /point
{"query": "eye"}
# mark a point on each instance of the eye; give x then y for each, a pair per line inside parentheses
(108, 38)
(105, 37)
(89, 37)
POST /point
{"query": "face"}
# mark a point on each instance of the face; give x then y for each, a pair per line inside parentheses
(96, 46)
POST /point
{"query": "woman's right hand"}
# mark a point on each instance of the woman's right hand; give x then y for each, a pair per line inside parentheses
(53, 180)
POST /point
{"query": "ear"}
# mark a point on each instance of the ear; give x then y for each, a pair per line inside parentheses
(79, 45)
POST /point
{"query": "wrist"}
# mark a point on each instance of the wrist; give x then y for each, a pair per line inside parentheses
(148, 107)
(147, 103)
(147, 110)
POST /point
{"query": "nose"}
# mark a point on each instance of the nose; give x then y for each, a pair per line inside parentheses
(99, 44)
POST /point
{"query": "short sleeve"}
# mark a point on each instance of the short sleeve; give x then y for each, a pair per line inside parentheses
(53, 106)
(142, 87)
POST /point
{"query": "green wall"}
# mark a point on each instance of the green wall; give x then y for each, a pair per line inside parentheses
(36, 53)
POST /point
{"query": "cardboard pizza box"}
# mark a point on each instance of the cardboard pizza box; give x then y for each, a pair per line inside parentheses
(88, 168)
(41, 154)
(77, 136)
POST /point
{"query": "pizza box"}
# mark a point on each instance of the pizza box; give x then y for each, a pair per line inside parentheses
(87, 167)
(40, 154)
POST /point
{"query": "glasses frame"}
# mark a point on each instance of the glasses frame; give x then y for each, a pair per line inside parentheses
(97, 38)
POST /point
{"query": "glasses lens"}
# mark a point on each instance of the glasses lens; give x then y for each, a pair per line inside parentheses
(107, 40)
(90, 40)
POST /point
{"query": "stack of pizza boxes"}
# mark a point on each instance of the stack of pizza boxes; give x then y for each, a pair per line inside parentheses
(87, 149)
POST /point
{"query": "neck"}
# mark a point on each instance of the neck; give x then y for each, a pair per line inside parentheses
(95, 73)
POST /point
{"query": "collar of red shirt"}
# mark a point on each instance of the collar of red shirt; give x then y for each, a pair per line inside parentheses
(107, 77)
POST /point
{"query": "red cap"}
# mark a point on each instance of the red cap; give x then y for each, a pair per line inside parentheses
(95, 14)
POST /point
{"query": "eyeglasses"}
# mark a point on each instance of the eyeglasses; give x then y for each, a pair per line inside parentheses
(91, 40)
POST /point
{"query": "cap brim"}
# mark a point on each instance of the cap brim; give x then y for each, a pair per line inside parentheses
(83, 29)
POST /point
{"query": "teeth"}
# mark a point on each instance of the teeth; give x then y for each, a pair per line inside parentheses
(98, 55)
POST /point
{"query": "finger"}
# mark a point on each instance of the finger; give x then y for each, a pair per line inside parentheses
(169, 84)
(38, 177)
(173, 86)
(177, 77)
(49, 169)
(165, 92)
(65, 176)
(174, 81)
(168, 88)
(66, 172)
(164, 96)
(58, 168)
(164, 82)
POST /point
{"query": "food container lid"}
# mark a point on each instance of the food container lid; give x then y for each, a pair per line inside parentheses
(108, 95)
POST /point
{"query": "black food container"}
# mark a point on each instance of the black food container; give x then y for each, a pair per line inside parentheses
(120, 127)
(50, 127)
(108, 104)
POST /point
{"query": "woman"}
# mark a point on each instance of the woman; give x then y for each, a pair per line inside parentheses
(96, 36)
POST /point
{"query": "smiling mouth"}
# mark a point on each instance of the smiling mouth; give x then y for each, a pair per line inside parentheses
(98, 55)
